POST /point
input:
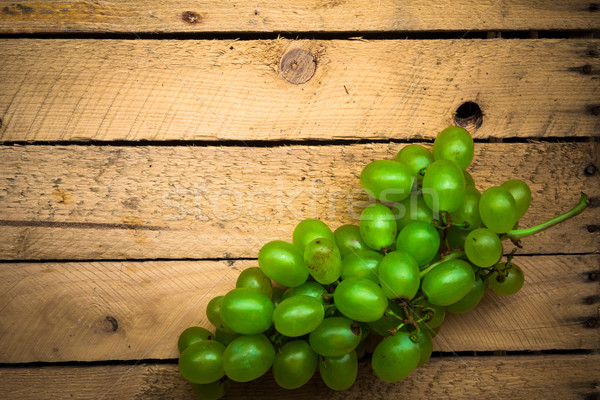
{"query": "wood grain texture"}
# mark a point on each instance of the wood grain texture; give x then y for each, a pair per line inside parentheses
(156, 16)
(87, 202)
(531, 377)
(227, 90)
(136, 310)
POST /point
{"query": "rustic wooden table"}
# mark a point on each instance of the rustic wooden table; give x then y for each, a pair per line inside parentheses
(149, 148)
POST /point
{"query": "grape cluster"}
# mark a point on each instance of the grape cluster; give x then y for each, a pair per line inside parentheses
(431, 244)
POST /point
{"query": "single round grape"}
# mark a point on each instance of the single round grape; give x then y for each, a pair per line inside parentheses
(448, 282)
(456, 144)
(213, 313)
(277, 295)
(378, 227)
(202, 362)
(443, 186)
(483, 247)
(455, 237)
(399, 275)
(310, 288)
(362, 264)
(498, 209)
(348, 240)
(387, 180)
(323, 260)
(209, 391)
(419, 239)
(335, 337)
(432, 315)
(255, 278)
(469, 181)
(225, 337)
(417, 158)
(468, 212)
(247, 311)
(298, 315)
(521, 192)
(191, 335)
(360, 299)
(385, 323)
(310, 229)
(283, 262)
(339, 373)
(470, 300)
(294, 364)
(395, 357)
(425, 346)
(248, 357)
(510, 282)
(412, 208)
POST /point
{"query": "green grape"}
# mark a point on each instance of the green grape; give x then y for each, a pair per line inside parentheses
(387, 180)
(339, 373)
(399, 275)
(378, 227)
(310, 288)
(521, 193)
(202, 362)
(395, 357)
(298, 315)
(419, 239)
(498, 209)
(335, 337)
(348, 240)
(483, 247)
(323, 260)
(412, 208)
(425, 346)
(294, 364)
(360, 299)
(310, 229)
(443, 186)
(209, 391)
(509, 282)
(248, 357)
(256, 279)
(468, 212)
(385, 323)
(277, 295)
(456, 144)
(469, 181)
(363, 346)
(455, 237)
(362, 264)
(416, 157)
(432, 315)
(448, 282)
(225, 337)
(471, 299)
(193, 335)
(213, 313)
(247, 311)
(283, 262)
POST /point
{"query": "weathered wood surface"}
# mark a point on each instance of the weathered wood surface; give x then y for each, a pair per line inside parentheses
(157, 16)
(88, 202)
(89, 311)
(522, 377)
(234, 90)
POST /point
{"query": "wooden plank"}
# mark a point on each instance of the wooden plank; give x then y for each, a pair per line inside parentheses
(226, 90)
(535, 377)
(136, 310)
(88, 202)
(154, 16)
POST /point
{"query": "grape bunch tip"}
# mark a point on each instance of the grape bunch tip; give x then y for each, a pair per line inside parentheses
(430, 244)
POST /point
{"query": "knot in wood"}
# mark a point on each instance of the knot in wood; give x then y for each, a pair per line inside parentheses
(298, 66)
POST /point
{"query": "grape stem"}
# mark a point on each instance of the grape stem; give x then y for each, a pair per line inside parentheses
(451, 256)
(516, 235)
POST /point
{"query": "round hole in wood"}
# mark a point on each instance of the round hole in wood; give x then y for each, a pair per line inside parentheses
(469, 116)
(298, 66)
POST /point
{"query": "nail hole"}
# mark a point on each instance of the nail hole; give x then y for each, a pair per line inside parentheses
(593, 276)
(593, 228)
(596, 110)
(469, 116)
(590, 170)
(587, 69)
(591, 323)
(593, 7)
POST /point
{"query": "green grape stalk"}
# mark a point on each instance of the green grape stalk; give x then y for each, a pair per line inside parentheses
(429, 245)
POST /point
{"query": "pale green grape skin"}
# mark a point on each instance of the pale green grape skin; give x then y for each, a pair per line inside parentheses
(425, 346)
(443, 186)
(399, 275)
(310, 229)
(348, 240)
(469, 181)
(419, 239)
(335, 337)
(209, 391)
(362, 264)
(247, 311)
(192, 335)
(277, 295)
(323, 260)
(448, 282)
(310, 288)
(255, 278)
(360, 299)
(468, 212)
(456, 144)
(395, 357)
(294, 364)
(521, 192)
(416, 158)
(498, 209)
(248, 357)
(201, 362)
(483, 247)
(213, 313)
(225, 337)
(298, 316)
(470, 300)
(412, 208)
(378, 227)
(339, 373)
(387, 180)
(283, 262)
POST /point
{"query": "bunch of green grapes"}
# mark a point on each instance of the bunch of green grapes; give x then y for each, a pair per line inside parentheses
(431, 244)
